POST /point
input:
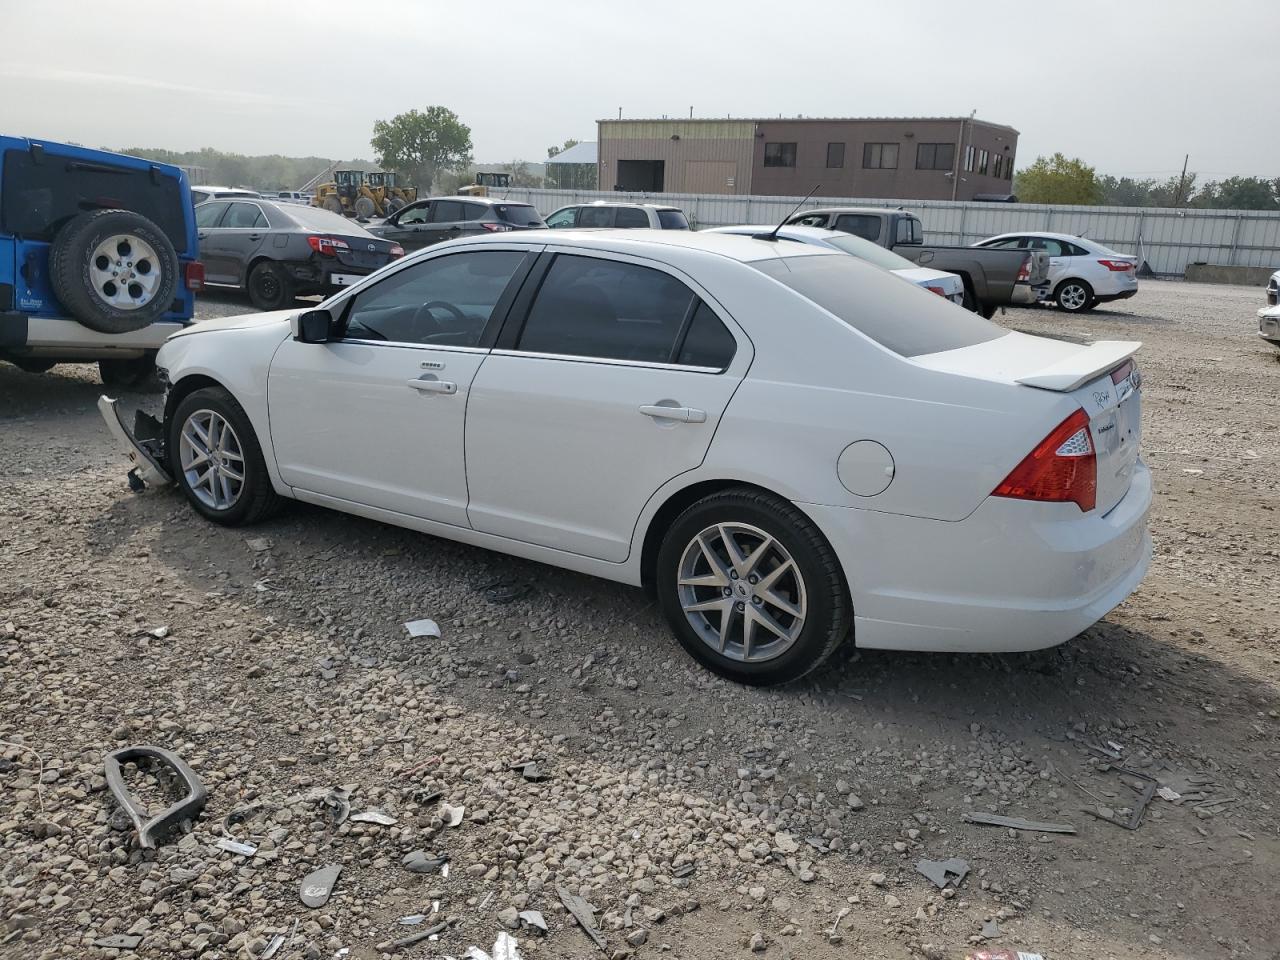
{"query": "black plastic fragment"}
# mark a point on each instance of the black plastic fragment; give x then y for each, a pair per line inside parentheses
(154, 829)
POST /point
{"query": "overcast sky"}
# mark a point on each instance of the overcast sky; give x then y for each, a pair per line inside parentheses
(1127, 86)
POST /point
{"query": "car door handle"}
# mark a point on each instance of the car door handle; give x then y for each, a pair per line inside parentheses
(255, 236)
(433, 385)
(202, 236)
(680, 414)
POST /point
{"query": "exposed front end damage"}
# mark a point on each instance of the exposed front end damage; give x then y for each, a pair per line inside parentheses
(144, 445)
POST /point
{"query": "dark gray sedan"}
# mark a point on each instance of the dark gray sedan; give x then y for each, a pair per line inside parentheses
(278, 251)
(429, 221)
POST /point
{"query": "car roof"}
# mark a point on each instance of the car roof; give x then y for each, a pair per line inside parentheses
(876, 210)
(1043, 233)
(792, 230)
(488, 201)
(647, 243)
(620, 203)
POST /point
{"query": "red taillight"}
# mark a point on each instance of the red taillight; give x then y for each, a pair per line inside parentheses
(938, 290)
(1122, 372)
(397, 251)
(327, 246)
(1063, 468)
(193, 276)
(1024, 271)
(495, 227)
(1117, 266)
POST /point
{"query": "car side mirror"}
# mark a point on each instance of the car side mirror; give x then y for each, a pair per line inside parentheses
(312, 326)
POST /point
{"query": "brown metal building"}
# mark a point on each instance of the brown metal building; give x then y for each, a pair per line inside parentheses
(935, 158)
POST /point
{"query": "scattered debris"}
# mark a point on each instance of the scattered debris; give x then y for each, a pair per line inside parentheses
(583, 912)
(258, 544)
(176, 772)
(1017, 823)
(317, 886)
(943, 872)
(235, 846)
(412, 920)
(379, 817)
(488, 898)
(423, 628)
(835, 926)
(391, 946)
(534, 919)
(119, 941)
(451, 815)
(419, 862)
(1164, 793)
(684, 870)
(273, 946)
(990, 930)
(530, 770)
(156, 633)
(338, 800)
(504, 591)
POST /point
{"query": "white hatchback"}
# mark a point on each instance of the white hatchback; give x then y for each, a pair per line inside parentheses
(788, 445)
(946, 285)
(1082, 272)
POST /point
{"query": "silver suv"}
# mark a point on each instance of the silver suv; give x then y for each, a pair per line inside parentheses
(609, 213)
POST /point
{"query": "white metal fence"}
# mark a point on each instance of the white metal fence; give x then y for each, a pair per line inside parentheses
(1167, 239)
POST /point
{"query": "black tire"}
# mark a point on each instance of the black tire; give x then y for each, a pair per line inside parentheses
(270, 286)
(828, 613)
(969, 301)
(136, 373)
(79, 271)
(988, 310)
(257, 500)
(1074, 296)
(365, 207)
(394, 204)
(333, 205)
(33, 364)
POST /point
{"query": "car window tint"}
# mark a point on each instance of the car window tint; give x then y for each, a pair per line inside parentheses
(244, 216)
(863, 225)
(1071, 250)
(900, 316)
(474, 211)
(588, 307)
(562, 218)
(520, 214)
(446, 211)
(416, 215)
(596, 216)
(917, 231)
(444, 301)
(630, 217)
(208, 214)
(708, 342)
(811, 220)
(1050, 246)
(673, 220)
(1008, 243)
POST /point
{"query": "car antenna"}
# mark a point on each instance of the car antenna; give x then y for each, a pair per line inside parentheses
(772, 235)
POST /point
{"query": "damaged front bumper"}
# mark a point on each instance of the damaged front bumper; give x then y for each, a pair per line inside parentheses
(144, 445)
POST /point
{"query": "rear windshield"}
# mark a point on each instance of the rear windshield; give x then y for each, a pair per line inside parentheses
(673, 220)
(521, 214)
(314, 218)
(896, 314)
(38, 198)
(870, 252)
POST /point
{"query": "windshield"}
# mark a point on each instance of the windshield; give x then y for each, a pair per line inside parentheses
(900, 316)
(521, 214)
(870, 252)
(672, 220)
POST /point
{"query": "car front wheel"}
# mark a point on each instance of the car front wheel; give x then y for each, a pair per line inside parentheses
(270, 287)
(214, 454)
(751, 588)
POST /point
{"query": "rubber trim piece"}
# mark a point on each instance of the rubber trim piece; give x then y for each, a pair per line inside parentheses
(157, 827)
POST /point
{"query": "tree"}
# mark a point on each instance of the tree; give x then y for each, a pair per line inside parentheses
(520, 175)
(1240, 193)
(1058, 180)
(421, 143)
(1126, 192)
(554, 151)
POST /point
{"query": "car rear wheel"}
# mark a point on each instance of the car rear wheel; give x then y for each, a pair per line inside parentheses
(270, 287)
(131, 374)
(751, 588)
(1074, 296)
(214, 454)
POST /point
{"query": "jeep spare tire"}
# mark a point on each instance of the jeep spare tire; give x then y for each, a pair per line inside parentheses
(113, 270)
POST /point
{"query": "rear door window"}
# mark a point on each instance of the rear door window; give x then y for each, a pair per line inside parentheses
(590, 307)
(474, 211)
(630, 217)
(596, 216)
(865, 225)
(446, 211)
(40, 197)
(902, 317)
(673, 220)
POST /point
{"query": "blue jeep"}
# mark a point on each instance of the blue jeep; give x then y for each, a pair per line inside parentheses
(97, 258)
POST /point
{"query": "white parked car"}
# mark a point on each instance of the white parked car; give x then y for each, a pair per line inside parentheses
(946, 285)
(1082, 272)
(787, 444)
(605, 214)
(1273, 290)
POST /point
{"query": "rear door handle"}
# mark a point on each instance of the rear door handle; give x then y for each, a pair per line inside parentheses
(433, 386)
(680, 414)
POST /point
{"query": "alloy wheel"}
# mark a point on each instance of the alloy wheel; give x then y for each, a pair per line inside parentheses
(212, 459)
(1073, 296)
(125, 272)
(742, 592)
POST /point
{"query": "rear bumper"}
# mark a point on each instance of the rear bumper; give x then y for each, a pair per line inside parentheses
(68, 340)
(1122, 295)
(1012, 576)
(1023, 293)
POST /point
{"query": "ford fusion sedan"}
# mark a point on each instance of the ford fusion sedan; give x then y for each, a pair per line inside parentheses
(946, 285)
(790, 447)
(1082, 273)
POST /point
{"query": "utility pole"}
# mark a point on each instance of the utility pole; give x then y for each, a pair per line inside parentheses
(960, 150)
(1177, 197)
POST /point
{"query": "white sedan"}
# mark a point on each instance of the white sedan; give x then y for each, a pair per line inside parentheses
(1082, 273)
(787, 444)
(946, 285)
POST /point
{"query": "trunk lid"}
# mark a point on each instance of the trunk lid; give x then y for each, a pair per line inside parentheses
(1101, 377)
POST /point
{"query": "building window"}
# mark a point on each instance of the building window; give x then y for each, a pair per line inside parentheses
(983, 157)
(968, 158)
(835, 154)
(779, 154)
(880, 156)
(935, 156)
(1008, 167)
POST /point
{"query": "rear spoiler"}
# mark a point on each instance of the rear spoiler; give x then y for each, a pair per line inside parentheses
(1078, 369)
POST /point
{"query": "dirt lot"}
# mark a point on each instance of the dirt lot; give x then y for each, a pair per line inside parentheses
(693, 814)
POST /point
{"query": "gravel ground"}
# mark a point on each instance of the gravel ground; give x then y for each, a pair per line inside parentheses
(700, 819)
